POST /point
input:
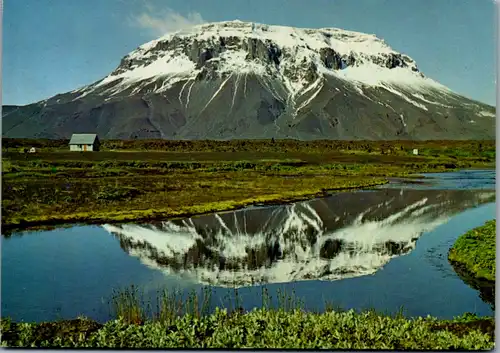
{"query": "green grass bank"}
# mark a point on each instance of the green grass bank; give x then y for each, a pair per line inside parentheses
(475, 251)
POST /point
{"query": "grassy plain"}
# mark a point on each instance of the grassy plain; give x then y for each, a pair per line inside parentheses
(147, 180)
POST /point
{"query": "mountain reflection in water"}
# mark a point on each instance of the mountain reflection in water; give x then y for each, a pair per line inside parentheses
(345, 235)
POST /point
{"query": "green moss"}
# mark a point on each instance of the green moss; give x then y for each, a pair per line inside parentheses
(475, 250)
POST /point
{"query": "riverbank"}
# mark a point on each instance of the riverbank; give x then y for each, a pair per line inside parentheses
(475, 252)
(473, 257)
(106, 187)
(261, 328)
(176, 321)
(124, 209)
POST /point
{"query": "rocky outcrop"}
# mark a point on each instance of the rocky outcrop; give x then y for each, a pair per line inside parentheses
(330, 58)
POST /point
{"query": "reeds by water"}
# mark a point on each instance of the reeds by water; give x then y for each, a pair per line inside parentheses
(135, 306)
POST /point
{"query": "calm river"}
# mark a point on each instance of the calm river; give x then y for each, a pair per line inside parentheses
(385, 249)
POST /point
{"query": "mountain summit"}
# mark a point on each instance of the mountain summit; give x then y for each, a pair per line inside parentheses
(248, 80)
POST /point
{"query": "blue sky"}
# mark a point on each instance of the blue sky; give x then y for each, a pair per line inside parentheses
(55, 46)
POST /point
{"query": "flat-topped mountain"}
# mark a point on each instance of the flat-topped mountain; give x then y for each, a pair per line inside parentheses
(246, 80)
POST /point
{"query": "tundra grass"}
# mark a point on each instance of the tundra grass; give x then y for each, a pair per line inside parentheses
(64, 187)
(266, 327)
(175, 194)
(475, 251)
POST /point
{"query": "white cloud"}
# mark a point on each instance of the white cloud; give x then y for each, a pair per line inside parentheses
(165, 20)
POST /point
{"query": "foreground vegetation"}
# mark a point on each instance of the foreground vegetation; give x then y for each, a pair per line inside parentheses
(182, 324)
(56, 186)
(475, 251)
(261, 329)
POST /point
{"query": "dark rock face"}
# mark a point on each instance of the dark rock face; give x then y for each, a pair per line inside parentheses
(348, 60)
(331, 59)
(204, 56)
(394, 61)
(274, 53)
(311, 72)
(199, 53)
(257, 49)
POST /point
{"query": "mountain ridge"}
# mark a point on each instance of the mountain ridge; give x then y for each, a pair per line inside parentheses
(235, 79)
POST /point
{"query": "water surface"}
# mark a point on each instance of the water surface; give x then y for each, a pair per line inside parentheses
(459, 180)
(381, 249)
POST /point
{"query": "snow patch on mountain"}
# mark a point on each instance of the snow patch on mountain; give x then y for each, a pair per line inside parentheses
(291, 37)
(317, 86)
(361, 59)
(487, 114)
(422, 98)
(392, 90)
(176, 67)
(373, 75)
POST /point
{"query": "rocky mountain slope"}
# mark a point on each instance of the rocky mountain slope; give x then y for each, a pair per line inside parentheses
(246, 80)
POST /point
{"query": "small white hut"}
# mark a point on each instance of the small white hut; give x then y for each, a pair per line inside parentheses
(84, 142)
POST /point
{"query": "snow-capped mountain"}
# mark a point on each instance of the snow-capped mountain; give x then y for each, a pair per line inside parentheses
(248, 80)
(345, 235)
